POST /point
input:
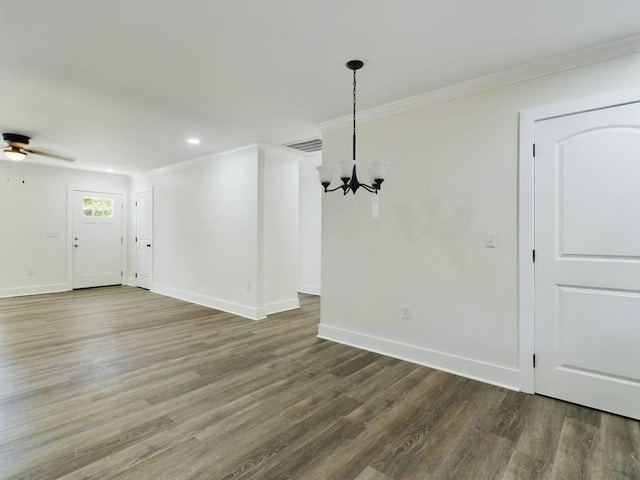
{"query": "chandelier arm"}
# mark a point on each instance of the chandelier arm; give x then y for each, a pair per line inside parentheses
(348, 188)
(334, 189)
(369, 188)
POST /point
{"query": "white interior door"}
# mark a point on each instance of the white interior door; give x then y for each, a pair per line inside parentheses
(144, 235)
(587, 266)
(97, 239)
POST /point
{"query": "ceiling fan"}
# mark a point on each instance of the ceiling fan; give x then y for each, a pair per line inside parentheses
(18, 147)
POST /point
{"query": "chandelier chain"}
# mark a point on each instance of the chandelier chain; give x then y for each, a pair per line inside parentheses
(354, 102)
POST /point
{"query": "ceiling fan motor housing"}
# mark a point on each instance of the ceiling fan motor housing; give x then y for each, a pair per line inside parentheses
(16, 138)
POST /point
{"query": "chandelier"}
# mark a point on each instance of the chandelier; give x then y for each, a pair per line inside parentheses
(346, 168)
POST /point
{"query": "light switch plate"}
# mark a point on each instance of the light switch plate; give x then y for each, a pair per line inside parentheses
(490, 240)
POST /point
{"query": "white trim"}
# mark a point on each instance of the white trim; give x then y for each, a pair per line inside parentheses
(548, 66)
(465, 367)
(281, 306)
(310, 289)
(215, 303)
(33, 290)
(70, 237)
(131, 281)
(526, 330)
(526, 226)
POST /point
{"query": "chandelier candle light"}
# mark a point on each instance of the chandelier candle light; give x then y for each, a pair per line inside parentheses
(346, 168)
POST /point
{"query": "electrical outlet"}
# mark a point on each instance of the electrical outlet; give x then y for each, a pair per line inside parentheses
(31, 272)
(405, 312)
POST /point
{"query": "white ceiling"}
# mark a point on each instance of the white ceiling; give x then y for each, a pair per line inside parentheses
(123, 83)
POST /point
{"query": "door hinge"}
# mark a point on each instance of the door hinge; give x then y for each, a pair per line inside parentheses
(136, 239)
(121, 239)
(121, 273)
(136, 203)
(534, 360)
(136, 274)
(533, 255)
(534, 150)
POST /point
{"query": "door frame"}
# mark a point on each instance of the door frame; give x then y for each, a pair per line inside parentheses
(123, 219)
(526, 207)
(134, 267)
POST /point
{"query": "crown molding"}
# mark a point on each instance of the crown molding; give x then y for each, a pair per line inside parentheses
(264, 147)
(199, 160)
(577, 58)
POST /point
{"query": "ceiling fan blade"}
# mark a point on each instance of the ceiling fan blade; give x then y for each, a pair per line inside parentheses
(49, 154)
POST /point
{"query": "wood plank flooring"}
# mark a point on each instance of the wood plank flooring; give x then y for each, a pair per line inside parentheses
(120, 383)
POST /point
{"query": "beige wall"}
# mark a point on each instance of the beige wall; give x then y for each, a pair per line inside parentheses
(310, 200)
(453, 176)
(279, 224)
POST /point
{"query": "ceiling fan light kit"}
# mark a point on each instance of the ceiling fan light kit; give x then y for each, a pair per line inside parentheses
(14, 153)
(347, 168)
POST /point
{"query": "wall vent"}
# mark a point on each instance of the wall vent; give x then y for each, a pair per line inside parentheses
(313, 145)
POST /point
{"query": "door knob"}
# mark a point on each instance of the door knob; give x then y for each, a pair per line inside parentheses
(149, 245)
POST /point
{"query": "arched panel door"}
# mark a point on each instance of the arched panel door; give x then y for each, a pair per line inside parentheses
(587, 269)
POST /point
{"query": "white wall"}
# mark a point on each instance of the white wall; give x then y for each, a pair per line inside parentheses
(310, 201)
(279, 185)
(453, 177)
(33, 230)
(225, 230)
(205, 245)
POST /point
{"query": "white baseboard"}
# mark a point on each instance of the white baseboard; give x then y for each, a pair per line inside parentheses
(465, 367)
(131, 281)
(310, 289)
(281, 306)
(229, 307)
(34, 290)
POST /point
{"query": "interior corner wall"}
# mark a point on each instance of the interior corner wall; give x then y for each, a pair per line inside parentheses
(310, 225)
(280, 233)
(206, 232)
(33, 234)
(453, 176)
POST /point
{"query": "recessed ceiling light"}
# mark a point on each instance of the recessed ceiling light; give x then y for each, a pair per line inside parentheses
(193, 141)
(108, 170)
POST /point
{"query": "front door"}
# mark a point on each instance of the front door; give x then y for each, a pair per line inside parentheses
(587, 268)
(97, 239)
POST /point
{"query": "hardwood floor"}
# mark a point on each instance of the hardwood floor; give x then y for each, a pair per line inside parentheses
(120, 383)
